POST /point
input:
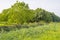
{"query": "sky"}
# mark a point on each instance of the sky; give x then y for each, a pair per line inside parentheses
(49, 5)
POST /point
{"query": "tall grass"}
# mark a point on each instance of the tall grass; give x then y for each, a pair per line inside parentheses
(45, 32)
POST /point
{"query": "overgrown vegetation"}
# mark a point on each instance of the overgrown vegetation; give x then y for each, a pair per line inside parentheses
(45, 32)
(22, 23)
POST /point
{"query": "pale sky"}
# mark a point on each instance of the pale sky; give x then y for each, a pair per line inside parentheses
(49, 5)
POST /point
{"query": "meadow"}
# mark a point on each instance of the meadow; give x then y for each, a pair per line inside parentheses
(49, 31)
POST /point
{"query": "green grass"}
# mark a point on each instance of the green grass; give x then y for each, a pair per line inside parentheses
(45, 32)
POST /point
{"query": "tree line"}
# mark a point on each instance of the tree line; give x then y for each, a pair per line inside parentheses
(20, 13)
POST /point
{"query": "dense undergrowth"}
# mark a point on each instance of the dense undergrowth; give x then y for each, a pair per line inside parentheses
(44, 32)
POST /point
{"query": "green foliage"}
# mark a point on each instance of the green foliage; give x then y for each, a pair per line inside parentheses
(41, 14)
(46, 32)
(55, 18)
(20, 13)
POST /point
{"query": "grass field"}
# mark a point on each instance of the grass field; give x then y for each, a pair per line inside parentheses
(44, 32)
